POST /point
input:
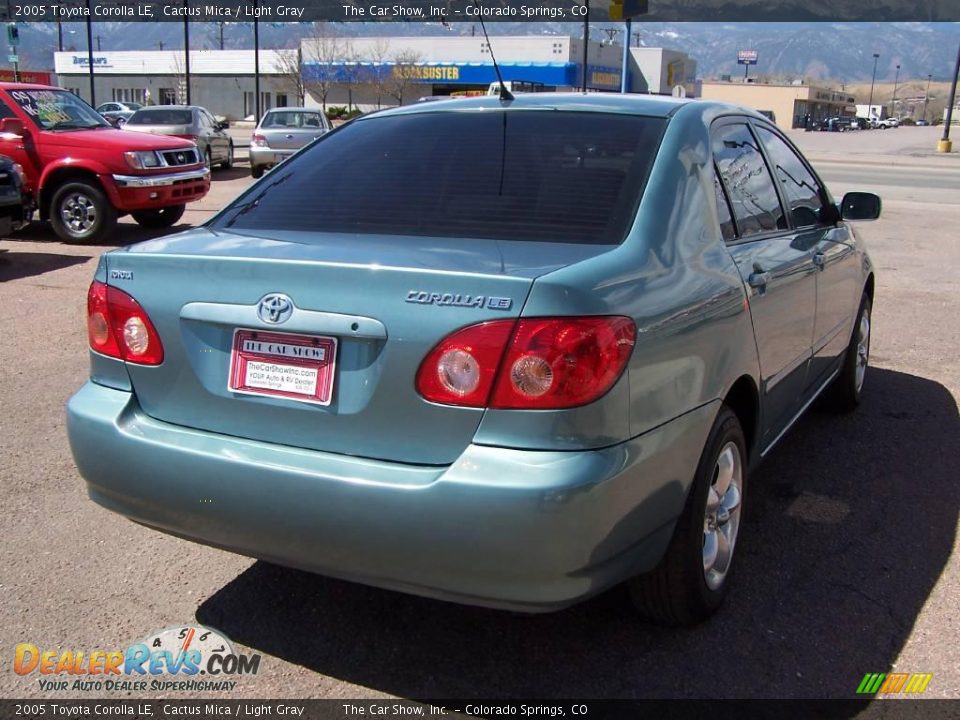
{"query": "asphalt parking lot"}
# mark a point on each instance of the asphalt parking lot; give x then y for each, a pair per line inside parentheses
(848, 562)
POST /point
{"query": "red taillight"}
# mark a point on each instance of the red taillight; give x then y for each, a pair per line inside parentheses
(462, 368)
(118, 327)
(529, 364)
(258, 140)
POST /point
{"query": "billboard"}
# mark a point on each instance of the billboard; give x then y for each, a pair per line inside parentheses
(747, 57)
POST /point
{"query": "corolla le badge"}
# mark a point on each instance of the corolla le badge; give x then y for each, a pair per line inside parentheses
(422, 297)
(275, 308)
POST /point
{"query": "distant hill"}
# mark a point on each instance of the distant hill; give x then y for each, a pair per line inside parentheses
(841, 52)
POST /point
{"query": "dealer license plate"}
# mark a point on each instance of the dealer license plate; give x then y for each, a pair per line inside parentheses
(296, 367)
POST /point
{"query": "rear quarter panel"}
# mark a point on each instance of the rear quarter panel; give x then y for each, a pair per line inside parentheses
(674, 276)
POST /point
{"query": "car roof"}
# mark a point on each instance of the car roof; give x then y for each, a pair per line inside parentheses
(172, 107)
(630, 103)
(28, 86)
(296, 107)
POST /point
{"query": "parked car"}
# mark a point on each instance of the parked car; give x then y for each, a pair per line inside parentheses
(885, 123)
(922, 123)
(508, 353)
(280, 133)
(82, 174)
(859, 123)
(190, 122)
(834, 124)
(16, 205)
(117, 113)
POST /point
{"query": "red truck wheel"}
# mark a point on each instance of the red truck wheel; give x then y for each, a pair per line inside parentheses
(80, 212)
(159, 217)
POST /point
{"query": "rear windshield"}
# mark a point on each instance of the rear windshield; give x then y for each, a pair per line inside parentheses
(160, 116)
(291, 119)
(506, 175)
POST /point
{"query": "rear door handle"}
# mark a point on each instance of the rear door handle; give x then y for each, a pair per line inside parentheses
(759, 279)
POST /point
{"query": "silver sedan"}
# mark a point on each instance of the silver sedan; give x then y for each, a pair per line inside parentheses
(281, 132)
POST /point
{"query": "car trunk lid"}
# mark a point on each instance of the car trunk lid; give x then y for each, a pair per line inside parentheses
(385, 300)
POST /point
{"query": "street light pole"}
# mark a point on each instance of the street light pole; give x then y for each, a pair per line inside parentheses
(256, 62)
(872, 80)
(93, 91)
(945, 145)
(186, 50)
(896, 81)
(926, 97)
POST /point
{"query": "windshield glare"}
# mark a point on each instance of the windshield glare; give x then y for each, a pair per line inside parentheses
(57, 110)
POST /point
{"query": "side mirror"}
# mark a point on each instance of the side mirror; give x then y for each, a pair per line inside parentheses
(860, 206)
(12, 126)
(223, 125)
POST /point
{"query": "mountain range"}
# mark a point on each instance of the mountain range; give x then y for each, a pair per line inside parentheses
(839, 52)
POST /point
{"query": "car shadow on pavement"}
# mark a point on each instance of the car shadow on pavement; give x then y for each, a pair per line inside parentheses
(237, 171)
(15, 265)
(849, 525)
(126, 233)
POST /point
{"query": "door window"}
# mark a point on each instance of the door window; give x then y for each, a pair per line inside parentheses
(804, 194)
(749, 185)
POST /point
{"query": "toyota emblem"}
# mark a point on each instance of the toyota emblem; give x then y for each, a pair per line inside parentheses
(275, 308)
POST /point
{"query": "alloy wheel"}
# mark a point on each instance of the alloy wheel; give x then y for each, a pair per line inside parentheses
(721, 520)
(78, 212)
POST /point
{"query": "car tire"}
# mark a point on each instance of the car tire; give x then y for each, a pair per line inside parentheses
(80, 212)
(846, 390)
(159, 217)
(208, 158)
(691, 580)
(256, 171)
(228, 163)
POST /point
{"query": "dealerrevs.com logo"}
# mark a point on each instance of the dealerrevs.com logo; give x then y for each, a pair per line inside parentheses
(187, 658)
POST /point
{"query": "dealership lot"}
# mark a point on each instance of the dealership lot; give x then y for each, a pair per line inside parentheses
(849, 563)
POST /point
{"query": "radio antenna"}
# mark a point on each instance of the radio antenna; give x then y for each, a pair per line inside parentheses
(505, 95)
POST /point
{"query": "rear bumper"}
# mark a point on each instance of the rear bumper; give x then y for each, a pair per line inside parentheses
(528, 530)
(265, 157)
(140, 192)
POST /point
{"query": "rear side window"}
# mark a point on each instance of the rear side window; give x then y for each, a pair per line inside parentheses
(804, 196)
(507, 175)
(291, 119)
(161, 116)
(749, 185)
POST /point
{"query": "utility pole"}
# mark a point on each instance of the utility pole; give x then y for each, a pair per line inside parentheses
(256, 61)
(636, 37)
(186, 49)
(586, 42)
(59, 36)
(926, 97)
(896, 81)
(160, 44)
(872, 80)
(625, 65)
(98, 43)
(93, 90)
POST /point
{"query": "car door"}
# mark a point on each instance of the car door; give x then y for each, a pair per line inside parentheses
(778, 271)
(23, 149)
(817, 221)
(219, 139)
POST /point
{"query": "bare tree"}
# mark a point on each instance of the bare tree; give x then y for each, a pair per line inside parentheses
(375, 76)
(405, 71)
(180, 78)
(290, 64)
(323, 54)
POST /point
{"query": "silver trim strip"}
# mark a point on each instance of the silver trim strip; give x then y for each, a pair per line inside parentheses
(160, 180)
(801, 411)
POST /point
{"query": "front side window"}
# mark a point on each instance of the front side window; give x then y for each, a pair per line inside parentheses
(526, 175)
(749, 185)
(57, 110)
(804, 195)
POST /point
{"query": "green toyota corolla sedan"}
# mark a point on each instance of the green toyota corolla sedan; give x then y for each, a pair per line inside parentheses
(503, 352)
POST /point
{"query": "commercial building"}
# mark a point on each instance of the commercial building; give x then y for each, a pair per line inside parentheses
(396, 70)
(220, 80)
(368, 72)
(788, 105)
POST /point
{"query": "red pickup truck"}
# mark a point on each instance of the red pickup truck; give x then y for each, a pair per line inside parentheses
(83, 174)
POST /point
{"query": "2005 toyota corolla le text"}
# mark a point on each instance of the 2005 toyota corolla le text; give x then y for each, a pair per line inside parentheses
(674, 286)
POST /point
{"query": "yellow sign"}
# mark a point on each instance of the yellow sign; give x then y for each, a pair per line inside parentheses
(604, 78)
(426, 72)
